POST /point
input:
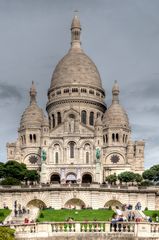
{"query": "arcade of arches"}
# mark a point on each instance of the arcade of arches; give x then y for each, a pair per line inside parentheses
(71, 178)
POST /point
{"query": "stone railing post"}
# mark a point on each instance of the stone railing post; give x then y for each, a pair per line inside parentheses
(77, 227)
(107, 227)
(143, 229)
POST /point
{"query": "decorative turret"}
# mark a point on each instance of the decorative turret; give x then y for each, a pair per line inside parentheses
(33, 94)
(115, 92)
(75, 33)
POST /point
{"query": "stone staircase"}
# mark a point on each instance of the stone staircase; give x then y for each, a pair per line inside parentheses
(20, 219)
(138, 214)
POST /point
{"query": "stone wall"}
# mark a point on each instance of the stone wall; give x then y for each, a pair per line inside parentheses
(91, 236)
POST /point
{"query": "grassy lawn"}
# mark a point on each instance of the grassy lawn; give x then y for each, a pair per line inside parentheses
(4, 213)
(152, 213)
(51, 215)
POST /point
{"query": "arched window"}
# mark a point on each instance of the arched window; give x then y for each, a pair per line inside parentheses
(22, 139)
(117, 137)
(123, 138)
(72, 149)
(87, 157)
(53, 120)
(106, 138)
(31, 138)
(34, 138)
(113, 137)
(58, 118)
(91, 118)
(126, 138)
(84, 117)
(103, 138)
(56, 157)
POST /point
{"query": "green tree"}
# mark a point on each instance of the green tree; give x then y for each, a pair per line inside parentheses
(32, 176)
(149, 174)
(111, 179)
(2, 170)
(126, 177)
(138, 178)
(15, 170)
(10, 181)
(6, 233)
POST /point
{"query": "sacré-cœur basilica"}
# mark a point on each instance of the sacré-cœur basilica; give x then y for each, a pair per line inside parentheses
(80, 141)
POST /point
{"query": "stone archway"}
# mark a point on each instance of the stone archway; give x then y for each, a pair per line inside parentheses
(36, 203)
(55, 178)
(75, 203)
(113, 204)
(86, 178)
(71, 178)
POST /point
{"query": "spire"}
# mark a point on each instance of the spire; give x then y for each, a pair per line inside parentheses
(33, 94)
(75, 33)
(115, 92)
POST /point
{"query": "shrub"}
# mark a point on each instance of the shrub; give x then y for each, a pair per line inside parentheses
(154, 215)
(41, 215)
(146, 208)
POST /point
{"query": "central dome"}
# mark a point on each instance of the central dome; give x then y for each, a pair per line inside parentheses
(76, 68)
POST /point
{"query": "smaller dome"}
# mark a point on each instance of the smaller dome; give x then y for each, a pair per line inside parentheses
(116, 116)
(33, 115)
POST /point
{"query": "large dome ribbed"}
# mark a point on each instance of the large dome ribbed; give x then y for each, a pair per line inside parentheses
(76, 68)
(116, 116)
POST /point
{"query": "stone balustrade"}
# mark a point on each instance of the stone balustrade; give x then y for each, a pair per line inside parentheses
(47, 229)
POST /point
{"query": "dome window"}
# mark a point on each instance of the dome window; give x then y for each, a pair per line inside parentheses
(91, 118)
(34, 138)
(97, 94)
(53, 120)
(74, 89)
(84, 117)
(113, 137)
(66, 90)
(31, 138)
(91, 92)
(58, 118)
(83, 90)
(58, 92)
(106, 138)
(117, 137)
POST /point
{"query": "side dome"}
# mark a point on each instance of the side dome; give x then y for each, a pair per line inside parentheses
(116, 116)
(33, 115)
(75, 68)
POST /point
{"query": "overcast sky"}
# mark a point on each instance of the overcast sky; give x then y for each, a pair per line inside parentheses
(121, 37)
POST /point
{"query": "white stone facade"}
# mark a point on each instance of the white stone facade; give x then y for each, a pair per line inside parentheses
(78, 125)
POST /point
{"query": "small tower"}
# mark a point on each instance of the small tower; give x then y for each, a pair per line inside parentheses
(75, 34)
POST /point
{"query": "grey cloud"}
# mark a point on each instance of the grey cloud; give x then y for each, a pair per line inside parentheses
(8, 92)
